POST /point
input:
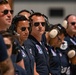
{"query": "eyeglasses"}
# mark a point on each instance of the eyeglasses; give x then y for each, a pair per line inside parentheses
(5, 12)
(8, 46)
(73, 23)
(38, 23)
(59, 39)
(24, 28)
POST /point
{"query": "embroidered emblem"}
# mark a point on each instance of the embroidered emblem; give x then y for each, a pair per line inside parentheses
(39, 49)
(64, 46)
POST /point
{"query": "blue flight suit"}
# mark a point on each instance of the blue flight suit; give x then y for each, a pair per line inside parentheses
(27, 56)
(28, 59)
(70, 41)
(40, 54)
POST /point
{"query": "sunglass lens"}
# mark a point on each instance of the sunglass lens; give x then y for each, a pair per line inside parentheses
(43, 23)
(11, 11)
(23, 28)
(5, 12)
(72, 23)
(36, 24)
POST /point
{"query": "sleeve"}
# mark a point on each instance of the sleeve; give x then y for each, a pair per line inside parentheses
(3, 50)
(19, 57)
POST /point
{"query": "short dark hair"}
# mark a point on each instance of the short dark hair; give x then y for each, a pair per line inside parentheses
(24, 10)
(15, 21)
(66, 18)
(3, 2)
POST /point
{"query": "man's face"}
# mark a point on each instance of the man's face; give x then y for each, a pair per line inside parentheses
(5, 15)
(72, 24)
(38, 25)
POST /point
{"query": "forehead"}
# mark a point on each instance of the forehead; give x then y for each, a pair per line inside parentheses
(72, 17)
(5, 6)
(23, 23)
(26, 14)
(38, 18)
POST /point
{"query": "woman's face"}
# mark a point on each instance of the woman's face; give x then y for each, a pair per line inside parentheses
(8, 45)
(57, 41)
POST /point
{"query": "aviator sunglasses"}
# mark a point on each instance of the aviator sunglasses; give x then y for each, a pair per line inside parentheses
(38, 23)
(5, 12)
(73, 23)
(24, 28)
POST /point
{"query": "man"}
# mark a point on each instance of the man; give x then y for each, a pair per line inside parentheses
(6, 65)
(5, 15)
(70, 39)
(34, 43)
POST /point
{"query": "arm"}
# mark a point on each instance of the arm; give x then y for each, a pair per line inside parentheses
(35, 72)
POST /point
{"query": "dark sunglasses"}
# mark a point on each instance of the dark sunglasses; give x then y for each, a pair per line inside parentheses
(73, 23)
(24, 28)
(8, 46)
(5, 12)
(38, 23)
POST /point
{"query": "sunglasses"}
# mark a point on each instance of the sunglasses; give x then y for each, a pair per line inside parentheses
(5, 12)
(38, 23)
(24, 28)
(73, 23)
(8, 46)
(59, 39)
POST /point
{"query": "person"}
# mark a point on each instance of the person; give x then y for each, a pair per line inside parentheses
(5, 61)
(70, 24)
(9, 43)
(21, 27)
(37, 22)
(25, 12)
(55, 37)
(5, 15)
(5, 22)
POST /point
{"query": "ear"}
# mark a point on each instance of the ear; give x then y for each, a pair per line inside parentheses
(65, 24)
(53, 33)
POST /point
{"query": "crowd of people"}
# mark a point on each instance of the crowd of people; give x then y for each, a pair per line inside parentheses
(30, 45)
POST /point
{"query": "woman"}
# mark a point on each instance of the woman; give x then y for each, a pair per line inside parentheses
(58, 60)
